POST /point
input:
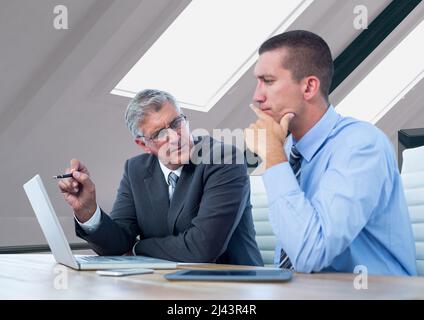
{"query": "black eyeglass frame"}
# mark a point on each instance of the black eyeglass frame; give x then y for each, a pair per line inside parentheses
(162, 133)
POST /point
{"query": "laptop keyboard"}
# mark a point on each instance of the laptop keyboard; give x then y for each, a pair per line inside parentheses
(97, 258)
(103, 259)
(95, 262)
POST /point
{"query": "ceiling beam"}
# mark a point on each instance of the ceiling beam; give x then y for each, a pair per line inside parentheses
(369, 39)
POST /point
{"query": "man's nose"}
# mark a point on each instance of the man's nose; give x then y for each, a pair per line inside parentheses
(258, 95)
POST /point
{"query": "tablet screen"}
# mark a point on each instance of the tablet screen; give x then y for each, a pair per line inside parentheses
(231, 275)
(250, 273)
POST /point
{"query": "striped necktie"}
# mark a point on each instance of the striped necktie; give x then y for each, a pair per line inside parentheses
(172, 181)
(295, 160)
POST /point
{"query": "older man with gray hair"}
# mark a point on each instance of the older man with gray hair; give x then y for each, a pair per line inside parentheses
(168, 206)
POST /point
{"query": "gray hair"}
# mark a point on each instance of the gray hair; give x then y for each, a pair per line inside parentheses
(145, 102)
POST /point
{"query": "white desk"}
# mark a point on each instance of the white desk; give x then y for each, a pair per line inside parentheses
(32, 276)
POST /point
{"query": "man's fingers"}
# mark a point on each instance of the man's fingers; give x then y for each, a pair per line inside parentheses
(71, 199)
(261, 123)
(67, 187)
(260, 113)
(285, 121)
(77, 165)
(62, 186)
(82, 178)
(253, 126)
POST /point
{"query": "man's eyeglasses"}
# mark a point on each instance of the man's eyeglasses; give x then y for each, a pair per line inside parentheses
(162, 134)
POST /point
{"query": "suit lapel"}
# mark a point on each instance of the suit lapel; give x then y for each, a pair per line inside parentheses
(179, 196)
(157, 190)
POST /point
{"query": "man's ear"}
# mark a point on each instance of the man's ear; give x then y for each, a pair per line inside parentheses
(141, 143)
(312, 86)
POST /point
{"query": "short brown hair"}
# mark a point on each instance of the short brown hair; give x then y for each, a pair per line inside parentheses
(308, 54)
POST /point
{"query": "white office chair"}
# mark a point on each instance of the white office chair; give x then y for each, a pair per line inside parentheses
(413, 181)
(264, 236)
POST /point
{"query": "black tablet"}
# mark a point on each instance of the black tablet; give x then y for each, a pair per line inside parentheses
(231, 275)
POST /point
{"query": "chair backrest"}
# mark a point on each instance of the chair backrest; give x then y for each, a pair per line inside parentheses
(413, 182)
(264, 235)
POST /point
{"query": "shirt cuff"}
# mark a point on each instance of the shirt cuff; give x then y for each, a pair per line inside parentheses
(91, 224)
(279, 180)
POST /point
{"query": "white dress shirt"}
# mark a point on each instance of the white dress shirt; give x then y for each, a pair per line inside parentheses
(166, 173)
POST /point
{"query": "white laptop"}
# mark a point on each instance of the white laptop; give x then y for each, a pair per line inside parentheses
(59, 245)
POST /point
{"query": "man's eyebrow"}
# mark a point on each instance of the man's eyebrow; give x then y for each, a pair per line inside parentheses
(164, 126)
(156, 130)
(263, 76)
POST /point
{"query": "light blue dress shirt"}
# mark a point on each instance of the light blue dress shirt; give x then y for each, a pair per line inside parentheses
(350, 209)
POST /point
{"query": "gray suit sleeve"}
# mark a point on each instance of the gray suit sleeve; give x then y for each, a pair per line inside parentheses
(220, 210)
(122, 224)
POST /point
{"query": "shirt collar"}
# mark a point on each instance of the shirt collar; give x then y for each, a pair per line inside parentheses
(316, 136)
(166, 171)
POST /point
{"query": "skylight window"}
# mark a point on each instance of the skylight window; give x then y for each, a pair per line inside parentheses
(208, 48)
(388, 82)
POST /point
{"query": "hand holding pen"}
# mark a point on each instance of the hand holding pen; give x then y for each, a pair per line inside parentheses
(78, 190)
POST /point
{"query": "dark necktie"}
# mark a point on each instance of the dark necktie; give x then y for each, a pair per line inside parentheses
(172, 181)
(295, 160)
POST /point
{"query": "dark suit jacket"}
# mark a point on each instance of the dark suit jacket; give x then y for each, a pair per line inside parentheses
(208, 219)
